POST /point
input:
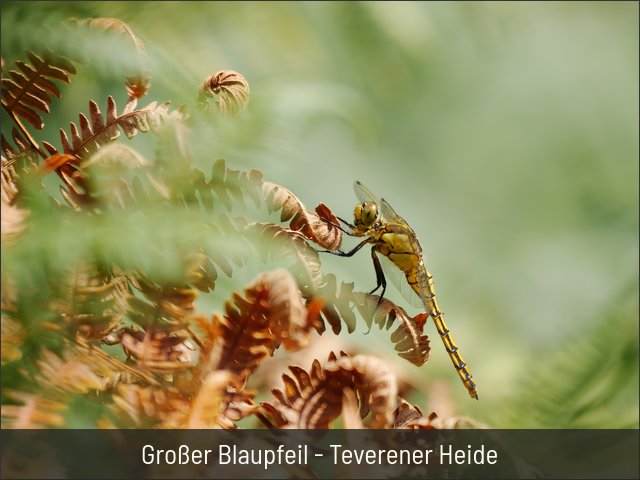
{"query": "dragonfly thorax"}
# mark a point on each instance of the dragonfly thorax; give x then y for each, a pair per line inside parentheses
(365, 215)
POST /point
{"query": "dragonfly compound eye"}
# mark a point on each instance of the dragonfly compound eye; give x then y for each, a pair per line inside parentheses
(369, 214)
(357, 214)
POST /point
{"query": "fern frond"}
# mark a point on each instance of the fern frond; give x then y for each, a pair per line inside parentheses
(314, 399)
(12, 337)
(164, 314)
(74, 372)
(228, 185)
(28, 92)
(137, 84)
(231, 186)
(218, 404)
(409, 416)
(72, 163)
(89, 302)
(226, 91)
(143, 406)
(208, 404)
(588, 380)
(97, 130)
(33, 411)
(313, 226)
(17, 160)
(214, 404)
(157, 351)
(13, 219)
(277, 242)
(410, 343)
(97, 185)
(270, 312)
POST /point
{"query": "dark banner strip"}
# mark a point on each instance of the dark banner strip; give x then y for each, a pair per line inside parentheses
(350, 454)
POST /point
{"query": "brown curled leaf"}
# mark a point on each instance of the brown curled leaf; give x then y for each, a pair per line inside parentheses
(270, 312)
(226, 91)
(313, 226)
(136, 83)
(315, 398)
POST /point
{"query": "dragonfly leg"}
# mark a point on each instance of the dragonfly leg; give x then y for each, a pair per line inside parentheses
(340, 253)
(339, 227)
(351, 226)
(380, 278)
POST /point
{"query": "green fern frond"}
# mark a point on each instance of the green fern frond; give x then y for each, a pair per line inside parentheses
(591, 381)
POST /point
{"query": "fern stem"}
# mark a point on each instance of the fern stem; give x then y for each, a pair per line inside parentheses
(25, 133)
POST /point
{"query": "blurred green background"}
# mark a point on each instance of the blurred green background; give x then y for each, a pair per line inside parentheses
(505, 133)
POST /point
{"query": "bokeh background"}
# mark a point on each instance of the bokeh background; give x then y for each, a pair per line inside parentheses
(505, 133)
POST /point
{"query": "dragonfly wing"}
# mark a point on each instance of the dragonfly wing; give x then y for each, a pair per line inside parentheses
(390, 214)
(398, 279)
(391, 271)
(366, 195)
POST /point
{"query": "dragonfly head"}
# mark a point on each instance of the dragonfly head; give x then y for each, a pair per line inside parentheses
(365, 215)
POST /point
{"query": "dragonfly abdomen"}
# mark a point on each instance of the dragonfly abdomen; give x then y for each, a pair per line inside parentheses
(431, 304)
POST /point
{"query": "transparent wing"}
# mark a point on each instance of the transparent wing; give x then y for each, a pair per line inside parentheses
(366, 195)
(398, 279)
(391, 271)
(390, 214)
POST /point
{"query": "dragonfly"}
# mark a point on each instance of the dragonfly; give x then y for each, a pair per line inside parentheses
(402, 261)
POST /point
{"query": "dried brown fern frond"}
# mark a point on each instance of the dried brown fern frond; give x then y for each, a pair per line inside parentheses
(88, 151)
(208, 405)
(13, 221)
(32, 411)
(313, 226)
(11, 339)
(277, 242)
(230, 186)
(158, 351)
(201, 271)
(141, 406)
(96, 131)
(9, 174)
(315, 398)
(17, 159)
(80, 369)
(230, 232)
(409, 416)
(165, 307)
(76, 371)
(226, 91)
(410, 342)
(103, 182)
(214, 404)
(89, 302)
(217, 403)
(137, 83)
(233, 187)
(27, 94)
(269, 313)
